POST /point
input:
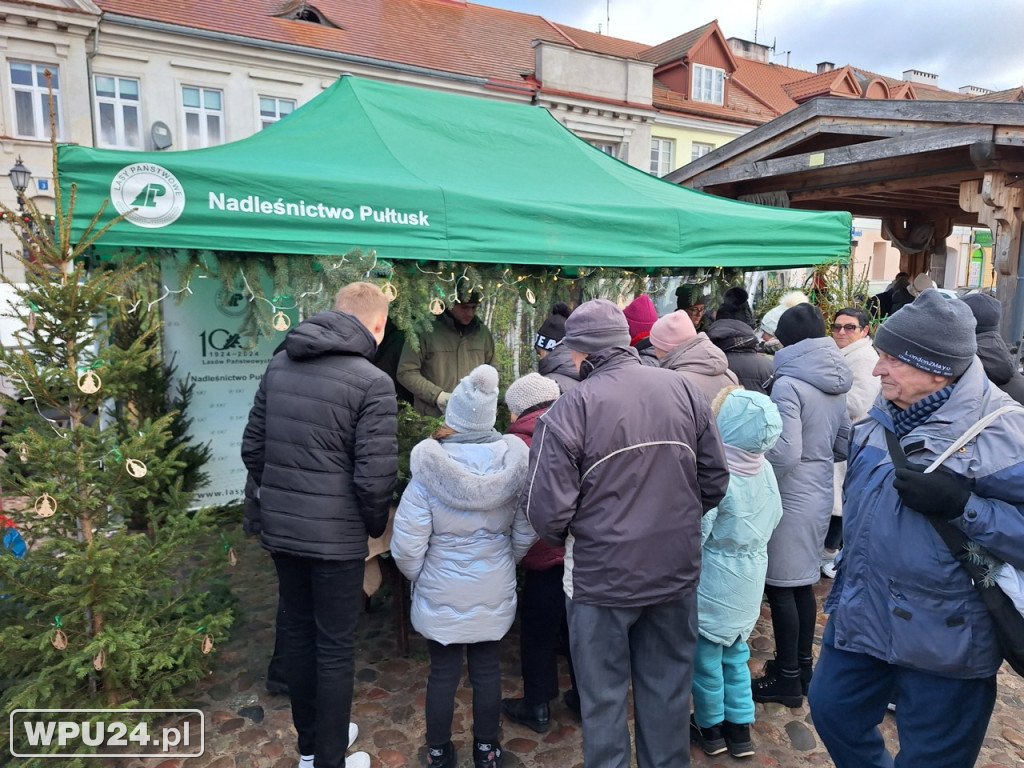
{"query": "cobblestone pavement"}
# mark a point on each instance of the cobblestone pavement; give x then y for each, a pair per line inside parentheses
(248, 728)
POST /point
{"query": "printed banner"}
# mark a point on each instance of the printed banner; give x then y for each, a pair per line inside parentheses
(202, 341)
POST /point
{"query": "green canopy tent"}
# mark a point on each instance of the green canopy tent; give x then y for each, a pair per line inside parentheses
(416, 173)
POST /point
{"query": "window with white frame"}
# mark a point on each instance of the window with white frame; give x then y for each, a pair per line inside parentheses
(609, 148)
(31, 100)
(273, 109)
(661, 156)
(708, 84)
(700, 149)
(204, 116)
(118, 118)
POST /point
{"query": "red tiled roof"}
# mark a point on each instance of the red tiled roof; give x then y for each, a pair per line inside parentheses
(1009, 95)
(676, 48)
(467, 38)
(491, 43)
(828, 83)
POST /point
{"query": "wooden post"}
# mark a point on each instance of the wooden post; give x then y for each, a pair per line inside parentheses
(999, 207)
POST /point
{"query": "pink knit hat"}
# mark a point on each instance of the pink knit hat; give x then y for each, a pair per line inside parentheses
(672, 330)
(641, 315)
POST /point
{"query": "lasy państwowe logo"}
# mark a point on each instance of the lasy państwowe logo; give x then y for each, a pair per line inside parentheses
(148, 195)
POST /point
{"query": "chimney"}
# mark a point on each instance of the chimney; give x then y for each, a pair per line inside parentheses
(917, 76)
(750, 50)
(974, 90)
(825, 66)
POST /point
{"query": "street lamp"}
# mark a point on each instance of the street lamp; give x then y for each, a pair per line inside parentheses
(20, 176)
(19, 180)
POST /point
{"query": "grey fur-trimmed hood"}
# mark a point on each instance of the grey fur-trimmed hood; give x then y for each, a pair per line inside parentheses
(472, 476)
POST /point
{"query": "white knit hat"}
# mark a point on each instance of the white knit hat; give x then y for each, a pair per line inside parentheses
(530, 390)
(473, 405)
(770, 321)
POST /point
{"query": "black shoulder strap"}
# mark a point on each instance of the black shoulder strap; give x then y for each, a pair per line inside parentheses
(954, 539)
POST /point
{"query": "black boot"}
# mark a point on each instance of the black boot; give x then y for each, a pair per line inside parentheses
(737, 739)
(536, 717)
(488, 754)
(782, 686)
(806, 672)
(441, 756)
(710, 740)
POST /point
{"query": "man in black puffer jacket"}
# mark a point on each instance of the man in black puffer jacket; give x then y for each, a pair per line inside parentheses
(321, 444)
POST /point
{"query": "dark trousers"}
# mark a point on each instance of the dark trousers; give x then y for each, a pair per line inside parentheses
(277, 680)
(941, 720)
(654, 647)
(834, 537)
(794, 617)
(323, 599)
(543, 634)
(443, 681)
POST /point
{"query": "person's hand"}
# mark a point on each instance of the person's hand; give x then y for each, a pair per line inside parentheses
(936, 494)
(442, 400)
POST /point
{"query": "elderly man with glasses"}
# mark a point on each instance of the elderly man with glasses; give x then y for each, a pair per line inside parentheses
(851, 331)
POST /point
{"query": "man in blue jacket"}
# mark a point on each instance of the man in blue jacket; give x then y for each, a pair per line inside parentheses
(906, 623)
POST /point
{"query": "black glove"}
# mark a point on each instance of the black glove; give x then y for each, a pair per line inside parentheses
(938, 494)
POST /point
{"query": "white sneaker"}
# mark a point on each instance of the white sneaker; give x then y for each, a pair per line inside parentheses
(305, 761)
(828, 570)
(353, 734)
(357, 760)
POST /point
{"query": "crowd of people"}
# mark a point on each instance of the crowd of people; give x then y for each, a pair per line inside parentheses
(659, 477)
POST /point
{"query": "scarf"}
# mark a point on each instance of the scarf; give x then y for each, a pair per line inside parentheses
(906, 420)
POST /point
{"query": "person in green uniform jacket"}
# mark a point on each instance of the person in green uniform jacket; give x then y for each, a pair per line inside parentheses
(457, 344)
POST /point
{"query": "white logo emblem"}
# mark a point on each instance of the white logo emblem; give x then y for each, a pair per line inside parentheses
(147, 195)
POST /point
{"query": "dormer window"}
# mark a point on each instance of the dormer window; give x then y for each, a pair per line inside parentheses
(708, 84)
(303, 11)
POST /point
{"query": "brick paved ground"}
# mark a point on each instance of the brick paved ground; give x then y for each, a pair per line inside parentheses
(248, 728)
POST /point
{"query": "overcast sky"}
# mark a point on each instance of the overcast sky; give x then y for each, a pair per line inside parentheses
(979, 42)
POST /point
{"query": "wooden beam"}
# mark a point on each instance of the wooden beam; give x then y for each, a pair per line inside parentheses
(885, 186)
(999, 207)
(840, 157)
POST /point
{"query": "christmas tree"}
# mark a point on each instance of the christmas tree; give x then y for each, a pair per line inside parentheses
(96, 613)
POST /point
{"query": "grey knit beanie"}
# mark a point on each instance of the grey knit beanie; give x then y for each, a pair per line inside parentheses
(474, 403)
(595, 325)
(988, 310)
(530, 390)
(933, 333)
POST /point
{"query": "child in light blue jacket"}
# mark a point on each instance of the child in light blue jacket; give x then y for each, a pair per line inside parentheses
(735, 559)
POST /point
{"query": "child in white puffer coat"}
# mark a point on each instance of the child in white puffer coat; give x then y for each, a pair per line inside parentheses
(457, 538)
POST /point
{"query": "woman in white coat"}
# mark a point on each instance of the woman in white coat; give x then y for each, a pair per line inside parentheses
(851, 331)
(457, 538)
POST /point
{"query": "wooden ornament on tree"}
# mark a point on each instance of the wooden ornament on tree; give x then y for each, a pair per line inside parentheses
(389, 291)
(89, 382)
(59, 639)
(23, 453)
(530, 297)
(99, 660)
(207, 645)
(135, 468)
(281, 321)
(232, 557)
(45, 506)
(436, 306)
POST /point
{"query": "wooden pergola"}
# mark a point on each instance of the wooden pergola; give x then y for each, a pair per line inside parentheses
(919, 166)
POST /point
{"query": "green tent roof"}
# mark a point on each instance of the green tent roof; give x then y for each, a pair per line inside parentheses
(416, 173)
